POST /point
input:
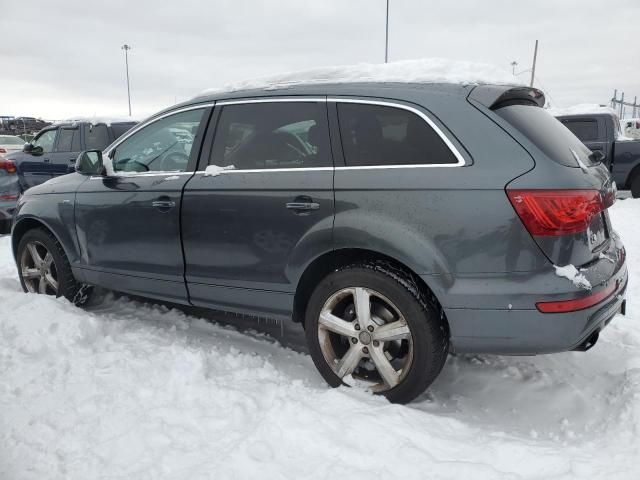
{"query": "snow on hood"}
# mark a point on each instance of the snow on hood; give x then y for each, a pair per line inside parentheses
(428, 70)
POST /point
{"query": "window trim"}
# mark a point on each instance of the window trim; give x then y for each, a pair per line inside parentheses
(328, 99)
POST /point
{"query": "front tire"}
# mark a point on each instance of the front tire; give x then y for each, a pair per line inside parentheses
(370, 325)
(44, 268)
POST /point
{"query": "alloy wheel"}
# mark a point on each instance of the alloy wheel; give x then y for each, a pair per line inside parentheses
(38, 269)
(363, 335)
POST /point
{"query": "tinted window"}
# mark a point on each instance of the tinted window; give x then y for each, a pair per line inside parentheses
(164, 145)
(96, 137)
(119, 129)
(46, 140)
(272, 135)
(585, 130)
(68, 140)
(547, 133)
(380, 135)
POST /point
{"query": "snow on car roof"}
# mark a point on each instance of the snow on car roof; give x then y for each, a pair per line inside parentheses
(427, 70)
(582, 109)
(98, 120)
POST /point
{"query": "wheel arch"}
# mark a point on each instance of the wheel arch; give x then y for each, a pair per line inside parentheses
(23, 226)
(328, 262)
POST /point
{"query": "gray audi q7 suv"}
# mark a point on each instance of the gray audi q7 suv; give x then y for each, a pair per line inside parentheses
(397, 222)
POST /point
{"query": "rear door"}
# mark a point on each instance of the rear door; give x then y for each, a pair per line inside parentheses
(67, 148)
(250, 229)
(128, 223)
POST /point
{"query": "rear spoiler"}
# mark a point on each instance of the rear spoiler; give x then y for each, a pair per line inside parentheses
(498, 96)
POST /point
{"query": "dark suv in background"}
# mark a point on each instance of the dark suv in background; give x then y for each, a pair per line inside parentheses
(397, 222)
(52, 152)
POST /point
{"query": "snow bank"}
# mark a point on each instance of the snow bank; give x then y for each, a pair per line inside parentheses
(131, 390)
(428, 70)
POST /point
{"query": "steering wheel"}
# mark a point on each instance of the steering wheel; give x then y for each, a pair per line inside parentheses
(174, 161)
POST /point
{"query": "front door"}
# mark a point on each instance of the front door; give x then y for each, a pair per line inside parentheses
(264, 209)
(128, 223)
(35, 168)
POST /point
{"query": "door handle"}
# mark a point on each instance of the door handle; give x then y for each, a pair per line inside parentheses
(45, 160)
(302, 205)
(163, 205)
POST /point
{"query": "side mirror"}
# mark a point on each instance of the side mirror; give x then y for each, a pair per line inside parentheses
(89, 162)
(27, 148)
(597, 156)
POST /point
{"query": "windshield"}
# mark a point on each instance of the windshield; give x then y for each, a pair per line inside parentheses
(548, 134)
(10, 140)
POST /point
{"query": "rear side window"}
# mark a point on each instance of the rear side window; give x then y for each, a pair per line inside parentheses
(585, 130)
(68, 140)
(380, 135)
(547, 133)
(96, 137)
(272, 135)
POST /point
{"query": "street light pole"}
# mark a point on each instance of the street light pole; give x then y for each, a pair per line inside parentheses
(514, 64)
(126, 49)
(533, 68)
(386, 36)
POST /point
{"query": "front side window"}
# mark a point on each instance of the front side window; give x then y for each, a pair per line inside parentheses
(46, 141)
(96, 137)
(162, 146)
(69, 140)
(272, 135)
(381, 135)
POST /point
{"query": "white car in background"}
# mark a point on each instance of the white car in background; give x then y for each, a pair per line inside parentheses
(10, 144)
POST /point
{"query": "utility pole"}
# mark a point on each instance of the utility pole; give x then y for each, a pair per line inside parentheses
(386, 36)
(533, 68)
(126, 49)
(514, 64)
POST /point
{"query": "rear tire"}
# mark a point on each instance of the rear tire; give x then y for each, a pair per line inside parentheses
(44, 268)
(369, 324)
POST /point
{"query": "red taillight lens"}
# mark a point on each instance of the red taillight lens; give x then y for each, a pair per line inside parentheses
(8, 196)
(565, 306)
(551, 213)
(8, 165)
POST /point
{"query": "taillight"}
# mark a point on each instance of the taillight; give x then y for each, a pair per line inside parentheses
(9, 196)
(8, 165)
(551, 213)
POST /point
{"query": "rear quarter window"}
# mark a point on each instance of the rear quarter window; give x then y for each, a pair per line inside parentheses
(375, 135)
(585, 130)
(547, 133)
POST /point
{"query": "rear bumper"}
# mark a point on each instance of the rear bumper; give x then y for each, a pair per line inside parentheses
(6, 215)
(522, 329)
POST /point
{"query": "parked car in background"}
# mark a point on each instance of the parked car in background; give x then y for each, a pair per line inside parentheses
(397, 222)
(52, 153)
(600, 131)
(10, 144)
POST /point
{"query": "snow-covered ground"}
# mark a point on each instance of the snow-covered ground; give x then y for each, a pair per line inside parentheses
(138, 391)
